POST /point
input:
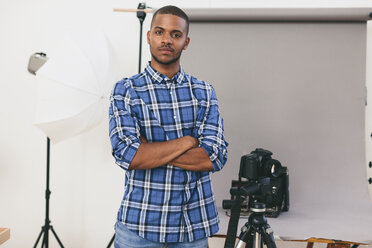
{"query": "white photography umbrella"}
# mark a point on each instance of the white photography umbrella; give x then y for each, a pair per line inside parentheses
(74, 85)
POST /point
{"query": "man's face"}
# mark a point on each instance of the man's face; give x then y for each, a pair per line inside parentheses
(167, 38)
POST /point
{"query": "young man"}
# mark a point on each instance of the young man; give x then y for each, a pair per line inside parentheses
(167, 134)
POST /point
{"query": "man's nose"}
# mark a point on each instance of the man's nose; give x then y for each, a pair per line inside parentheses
(167, 38)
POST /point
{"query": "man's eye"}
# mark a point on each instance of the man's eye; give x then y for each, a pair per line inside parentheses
(158, 32)
(177, 35)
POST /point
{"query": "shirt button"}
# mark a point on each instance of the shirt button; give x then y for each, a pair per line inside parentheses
(171, 92)
(175, 117)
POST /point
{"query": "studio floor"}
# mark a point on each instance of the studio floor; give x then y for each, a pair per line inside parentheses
(219, 243)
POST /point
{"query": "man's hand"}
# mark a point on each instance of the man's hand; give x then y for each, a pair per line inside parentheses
(194, 141)
(143, 139)
(195, 159)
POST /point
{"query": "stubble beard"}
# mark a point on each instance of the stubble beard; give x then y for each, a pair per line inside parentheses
(178, 56)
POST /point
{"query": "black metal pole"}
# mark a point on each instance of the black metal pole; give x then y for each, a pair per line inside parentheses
(140, 47)
(47, 197)
(141, 17)
(45, 229)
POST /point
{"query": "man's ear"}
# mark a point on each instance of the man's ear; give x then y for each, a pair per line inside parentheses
(148, 37)
(186, 43)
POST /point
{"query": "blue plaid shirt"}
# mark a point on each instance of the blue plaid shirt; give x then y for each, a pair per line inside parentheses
(166, 204)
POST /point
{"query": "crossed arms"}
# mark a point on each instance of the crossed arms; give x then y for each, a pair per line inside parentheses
(183, 152)
(206, 150)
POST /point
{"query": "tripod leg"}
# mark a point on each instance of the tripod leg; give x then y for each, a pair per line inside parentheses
(257, 240)
(38, 238)
(246, 237)
(55, 235)
(262, 243)
(268, 236)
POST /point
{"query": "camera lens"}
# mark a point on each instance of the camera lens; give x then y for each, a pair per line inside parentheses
(273, 168)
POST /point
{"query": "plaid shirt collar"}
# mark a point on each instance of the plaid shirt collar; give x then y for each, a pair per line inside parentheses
(156, 76)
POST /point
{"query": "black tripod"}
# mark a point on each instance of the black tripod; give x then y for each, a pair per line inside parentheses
(141, 17)
(256, 231)
(45, 229)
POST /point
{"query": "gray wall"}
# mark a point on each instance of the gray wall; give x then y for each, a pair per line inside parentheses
(296, 89)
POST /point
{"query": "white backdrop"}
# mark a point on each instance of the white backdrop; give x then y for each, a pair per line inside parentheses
(86, 185)
(297, 89)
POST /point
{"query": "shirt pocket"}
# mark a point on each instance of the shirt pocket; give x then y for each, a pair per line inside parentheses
(150, 127)
(189, 123)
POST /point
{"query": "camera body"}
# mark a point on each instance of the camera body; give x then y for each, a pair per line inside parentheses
(265, 180)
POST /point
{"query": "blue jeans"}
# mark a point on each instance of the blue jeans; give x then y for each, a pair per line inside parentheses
(124, 238)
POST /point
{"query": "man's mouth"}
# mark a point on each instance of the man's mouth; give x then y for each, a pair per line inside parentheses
(166, 50)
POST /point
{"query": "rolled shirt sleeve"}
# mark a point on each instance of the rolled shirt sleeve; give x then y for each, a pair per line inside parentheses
(211, 133)
(123, 126)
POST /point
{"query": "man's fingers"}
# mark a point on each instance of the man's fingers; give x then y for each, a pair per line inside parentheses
(143, 139)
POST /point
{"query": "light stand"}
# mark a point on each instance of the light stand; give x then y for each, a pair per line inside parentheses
(45, 229)
(141, 15)
(36, 61)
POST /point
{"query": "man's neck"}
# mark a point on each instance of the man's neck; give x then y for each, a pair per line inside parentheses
(167, 70)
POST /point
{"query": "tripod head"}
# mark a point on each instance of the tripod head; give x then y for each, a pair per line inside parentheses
(254, 189)
(256, 219)
(255, 228)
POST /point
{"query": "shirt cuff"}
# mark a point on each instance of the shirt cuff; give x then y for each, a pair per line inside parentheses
(124, 156)
(217, 155)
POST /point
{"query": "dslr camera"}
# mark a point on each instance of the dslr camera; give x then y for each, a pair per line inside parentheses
(262, 179)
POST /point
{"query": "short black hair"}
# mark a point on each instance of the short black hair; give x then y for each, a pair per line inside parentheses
(173, 10)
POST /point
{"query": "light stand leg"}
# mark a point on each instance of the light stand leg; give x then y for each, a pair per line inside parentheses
(38, 238)
(46, 238)
(111, 241)
(55, 235)
(43, 245)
